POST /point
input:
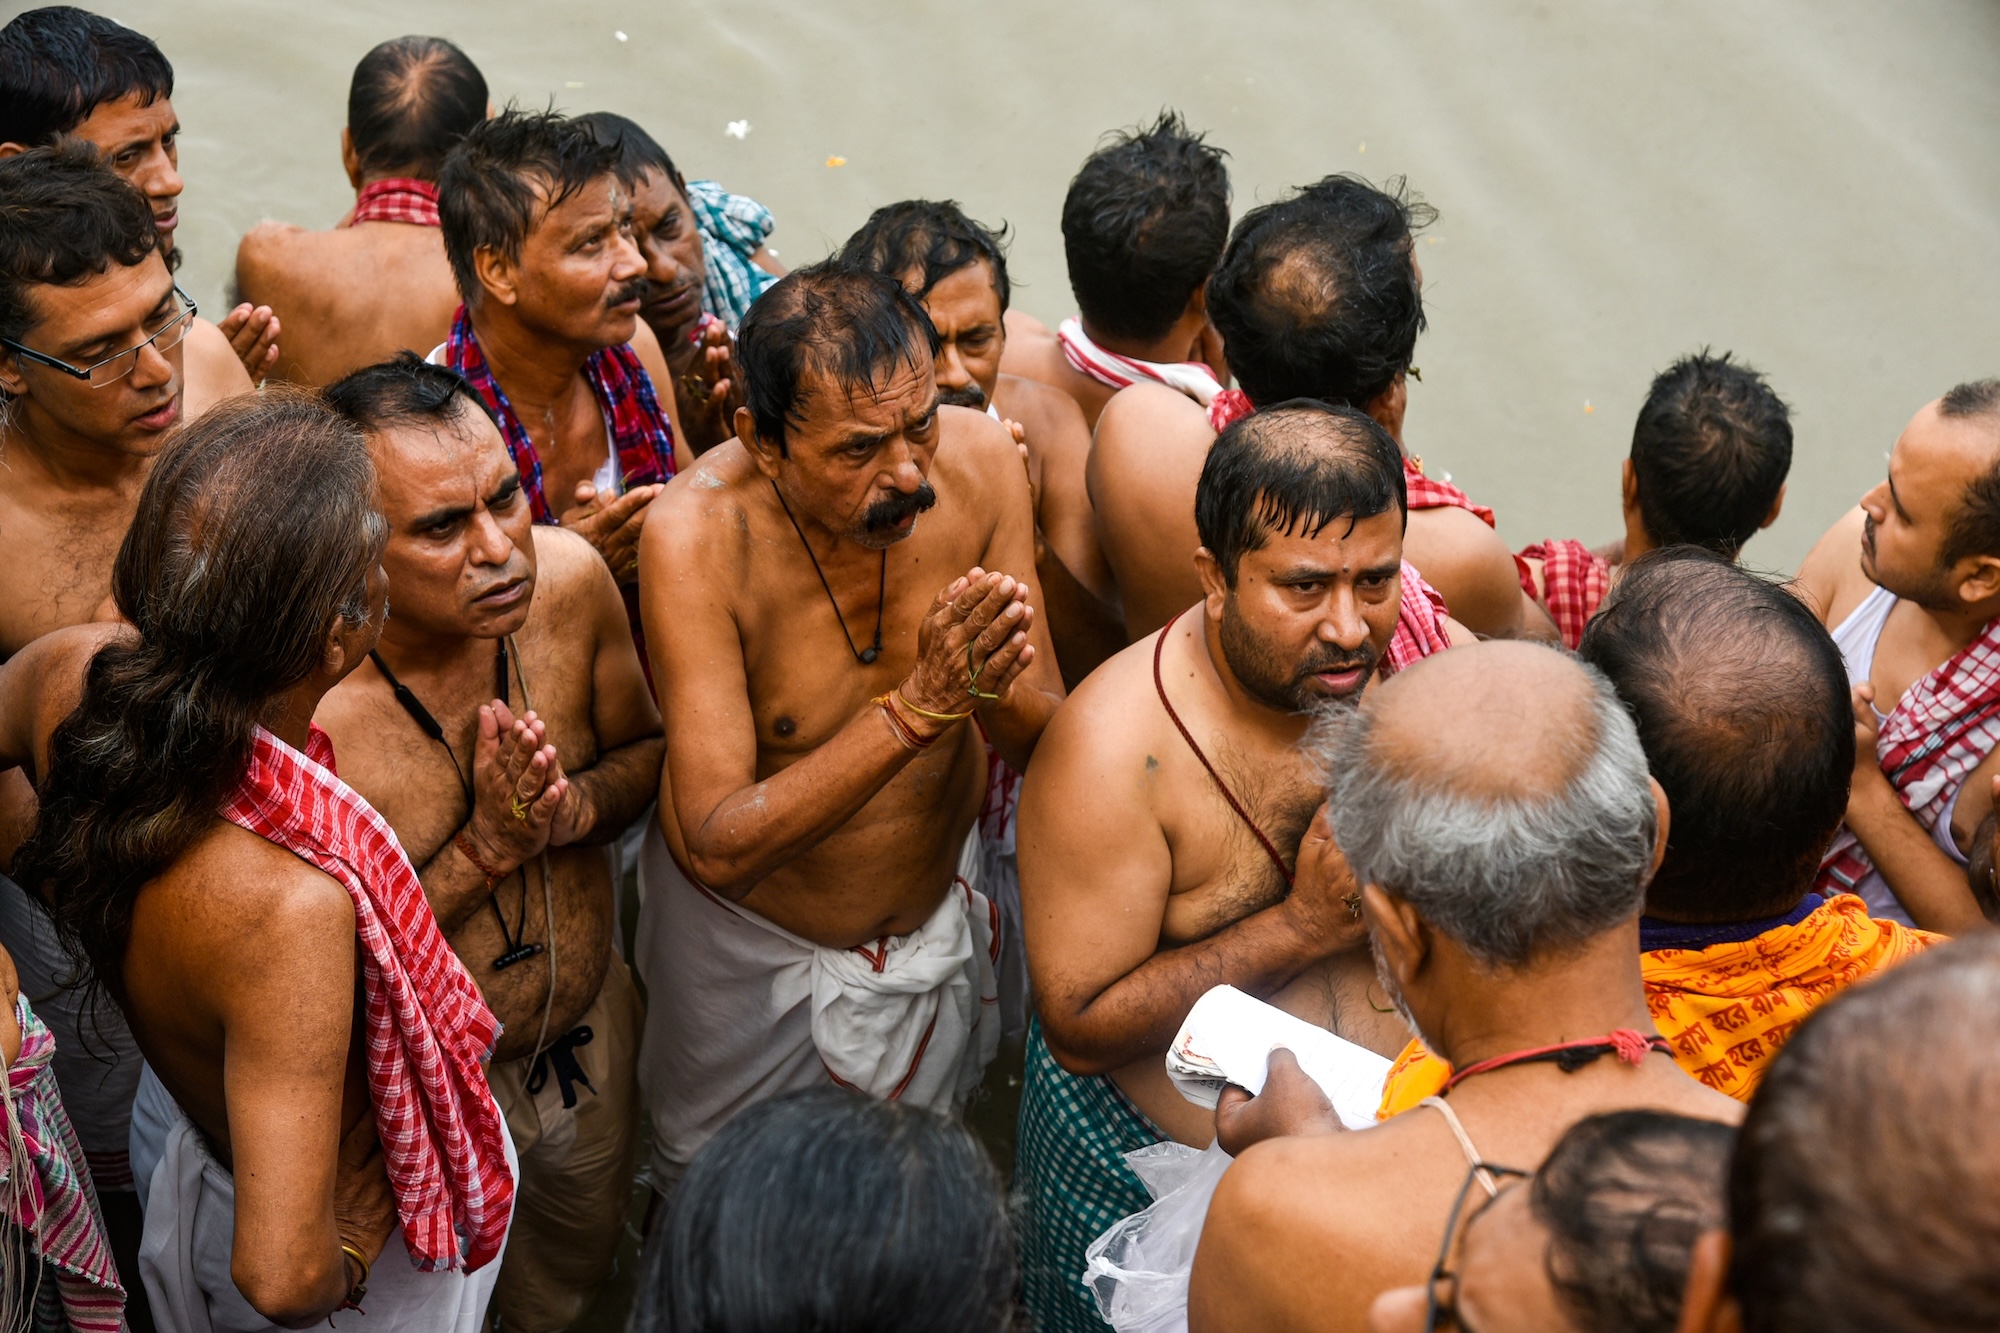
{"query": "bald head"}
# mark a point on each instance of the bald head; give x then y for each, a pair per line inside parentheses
(1865, 1192)
(1536, 727)
(1500, 790)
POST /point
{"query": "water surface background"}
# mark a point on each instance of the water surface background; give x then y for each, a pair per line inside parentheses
(1813, 185)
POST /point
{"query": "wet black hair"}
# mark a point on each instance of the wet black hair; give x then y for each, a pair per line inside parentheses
(1864, 1193)
(930, 239)
(1317, 295)
(411, 100)
(1710, 453)
(506, 172)
(1975, 528)
(404, 388)
(1143, 223)
(68, 218)
(1294, 467)
(638, 151)
(826, 318)
(60, 63)
(828, 1210)
(1742, 705)
(1624, 1195)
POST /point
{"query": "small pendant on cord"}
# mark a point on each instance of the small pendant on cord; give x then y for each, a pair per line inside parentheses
(519, 954)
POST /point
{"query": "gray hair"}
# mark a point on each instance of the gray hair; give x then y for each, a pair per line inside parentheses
(1509, 876)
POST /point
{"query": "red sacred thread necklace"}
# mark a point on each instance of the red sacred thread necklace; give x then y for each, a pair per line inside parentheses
(1570, 1056)
(1160, 686)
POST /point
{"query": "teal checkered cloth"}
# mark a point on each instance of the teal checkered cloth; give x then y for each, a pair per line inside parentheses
(732, 228)
(1070, 1168)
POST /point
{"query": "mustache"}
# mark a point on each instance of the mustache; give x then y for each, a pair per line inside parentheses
(655, 292)
(634, 290)
(891, 510)
(1362, 659)
(970, 396)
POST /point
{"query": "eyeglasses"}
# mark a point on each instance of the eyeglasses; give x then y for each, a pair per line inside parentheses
(101, 374)
(1441, 1290)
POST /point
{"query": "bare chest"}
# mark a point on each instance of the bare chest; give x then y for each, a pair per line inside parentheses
(1234, 833)
(58, 564)
(1909, 649)
(572, 442)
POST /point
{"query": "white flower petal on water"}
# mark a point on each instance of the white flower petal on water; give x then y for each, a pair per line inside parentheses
(621, 36)
(737, 129)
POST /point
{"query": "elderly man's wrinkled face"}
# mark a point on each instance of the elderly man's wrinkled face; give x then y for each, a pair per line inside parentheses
(858, 463)
(1310, 617)
(965, 307)
(461, 551)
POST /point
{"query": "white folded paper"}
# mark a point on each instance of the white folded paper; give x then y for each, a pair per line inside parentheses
(1229, 1036)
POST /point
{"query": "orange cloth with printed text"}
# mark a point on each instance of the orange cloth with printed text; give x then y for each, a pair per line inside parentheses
(1728, 1008)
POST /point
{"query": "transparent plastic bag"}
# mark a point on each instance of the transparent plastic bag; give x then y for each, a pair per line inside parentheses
(1138, 1270)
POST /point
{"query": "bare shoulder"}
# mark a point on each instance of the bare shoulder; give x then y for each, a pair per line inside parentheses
(1114, 710)
(41, 684)
(978, 452)
(703, 514)
(236, 885)
(565, 561)
(212, 369)
(269, 243)
(1830, 580)
(1142, 417)
(1021, 324)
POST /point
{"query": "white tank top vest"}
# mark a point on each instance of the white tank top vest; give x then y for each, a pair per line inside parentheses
(1856, 638)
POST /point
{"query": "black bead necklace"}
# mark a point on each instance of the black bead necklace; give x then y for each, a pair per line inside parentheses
(865, 656)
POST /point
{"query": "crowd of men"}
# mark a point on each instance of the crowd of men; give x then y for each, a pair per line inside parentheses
(941, 683)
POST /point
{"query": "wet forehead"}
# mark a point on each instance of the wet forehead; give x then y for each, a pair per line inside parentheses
(964, 300)
(1937, 457)
(601, 202)
(653, 197)
(115, 301)
(127, 120)
(1346, 545)
(423, 465)
(900, 396)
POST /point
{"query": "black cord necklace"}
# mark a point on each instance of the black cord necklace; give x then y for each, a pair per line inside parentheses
(518, 950)
(865, 656)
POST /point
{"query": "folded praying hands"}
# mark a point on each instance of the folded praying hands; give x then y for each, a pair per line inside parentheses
(521, 801)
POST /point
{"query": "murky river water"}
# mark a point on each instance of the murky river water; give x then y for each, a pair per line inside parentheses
(1813, 183)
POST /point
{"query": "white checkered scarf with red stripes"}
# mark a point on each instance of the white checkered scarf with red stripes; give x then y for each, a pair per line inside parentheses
(1933, 739)
(428, 1030)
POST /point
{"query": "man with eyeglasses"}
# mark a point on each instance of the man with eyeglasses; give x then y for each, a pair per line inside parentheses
(1503, 862)
(68, 74)
(92, 332)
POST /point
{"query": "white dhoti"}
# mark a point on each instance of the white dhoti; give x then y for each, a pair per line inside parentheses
(740, 1010)
(190, 1203)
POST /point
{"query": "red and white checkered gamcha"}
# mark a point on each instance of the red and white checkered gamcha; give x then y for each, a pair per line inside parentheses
(1419, 625)
(428, 1030)
(1935, 736)
(1574, 581)
(402, 199)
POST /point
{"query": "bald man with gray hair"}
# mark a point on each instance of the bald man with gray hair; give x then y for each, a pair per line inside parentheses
(1494, 806)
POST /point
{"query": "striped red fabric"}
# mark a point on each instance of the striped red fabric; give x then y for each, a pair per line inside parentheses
(402, 199)
(429, 1031)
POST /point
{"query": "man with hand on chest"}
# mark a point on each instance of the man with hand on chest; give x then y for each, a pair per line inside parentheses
(504, 730)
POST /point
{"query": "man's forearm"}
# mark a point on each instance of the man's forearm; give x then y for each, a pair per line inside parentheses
(1138, 1014)
(455, 886)
(1930, 885)
(759, 828)
(616, 789)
